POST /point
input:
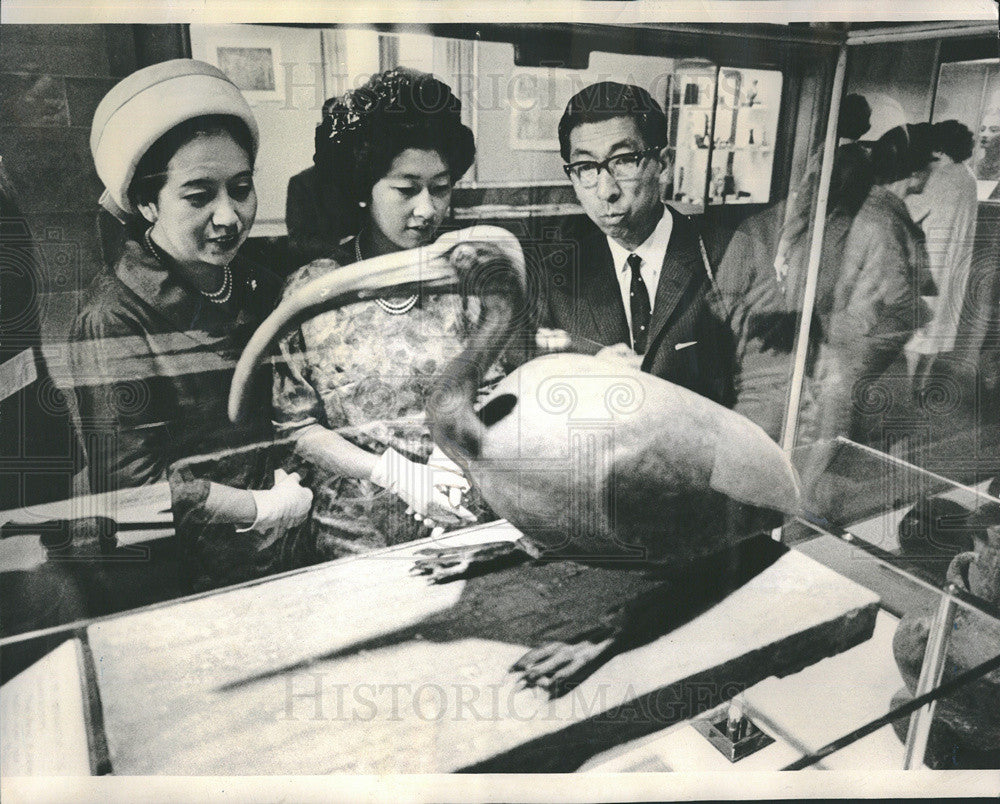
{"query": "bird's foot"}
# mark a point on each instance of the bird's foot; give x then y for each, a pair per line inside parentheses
(442, 564)
(557, 667)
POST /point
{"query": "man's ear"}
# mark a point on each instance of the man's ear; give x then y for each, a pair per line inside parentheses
(149, 211)
(666, 175)
(666, 161)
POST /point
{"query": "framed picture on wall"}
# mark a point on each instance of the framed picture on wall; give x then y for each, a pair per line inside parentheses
(255, 67)
(538, 96)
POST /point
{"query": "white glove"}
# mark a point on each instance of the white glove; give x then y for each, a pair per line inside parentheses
(423, 487)
(279, 508)
(457, 485)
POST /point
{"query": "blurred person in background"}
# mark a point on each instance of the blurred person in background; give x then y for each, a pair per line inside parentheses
(317, 213)
(877, 301)
(946, 210)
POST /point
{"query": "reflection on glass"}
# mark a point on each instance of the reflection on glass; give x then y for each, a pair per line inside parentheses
(969, 91)
(690, 106)
(909, 533)
(733, 165)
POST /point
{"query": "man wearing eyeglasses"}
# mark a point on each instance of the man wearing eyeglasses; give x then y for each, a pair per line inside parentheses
(633, 276)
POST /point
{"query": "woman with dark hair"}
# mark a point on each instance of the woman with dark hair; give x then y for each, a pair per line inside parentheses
(876, 304)
(946, 211)
(155, 343)
(352, 382)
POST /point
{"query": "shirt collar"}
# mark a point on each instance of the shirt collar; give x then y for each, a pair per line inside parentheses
(652, 251)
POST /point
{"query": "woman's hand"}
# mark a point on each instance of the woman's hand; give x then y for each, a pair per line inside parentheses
(280, 508)
(429, 490)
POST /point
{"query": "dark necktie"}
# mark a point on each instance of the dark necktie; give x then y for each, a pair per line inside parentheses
(638, 304)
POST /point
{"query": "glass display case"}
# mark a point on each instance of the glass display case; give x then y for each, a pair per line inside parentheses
(723, 125)
(885, 584)
(884, 664)
(969, 91)
(691, 106)
(922, 690)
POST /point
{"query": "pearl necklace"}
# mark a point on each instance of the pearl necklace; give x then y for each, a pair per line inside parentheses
(400, 308)
(220, 296)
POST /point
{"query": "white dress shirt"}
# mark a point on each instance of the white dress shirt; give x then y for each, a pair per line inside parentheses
(652, 253)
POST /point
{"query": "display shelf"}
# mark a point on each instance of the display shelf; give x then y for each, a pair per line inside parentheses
(742, 108)
(718, 202)
(727, 127)
(738, 148)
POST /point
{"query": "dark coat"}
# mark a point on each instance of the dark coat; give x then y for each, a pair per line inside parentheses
(152, 365)
(581, 295)
(317, 217)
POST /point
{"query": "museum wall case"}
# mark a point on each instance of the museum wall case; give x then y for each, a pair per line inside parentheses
(904, 506)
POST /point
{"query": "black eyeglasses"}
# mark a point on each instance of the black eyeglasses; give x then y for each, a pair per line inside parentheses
(621, 167)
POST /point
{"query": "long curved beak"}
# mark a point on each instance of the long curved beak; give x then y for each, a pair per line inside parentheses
(429, 266)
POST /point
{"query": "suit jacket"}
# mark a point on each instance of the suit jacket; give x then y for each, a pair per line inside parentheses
(317, 216)
(689, 343)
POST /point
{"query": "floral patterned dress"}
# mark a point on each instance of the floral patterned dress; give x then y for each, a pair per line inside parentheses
(367, 374)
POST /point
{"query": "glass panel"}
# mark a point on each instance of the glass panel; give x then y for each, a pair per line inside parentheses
(115, 549)
(969, 91)
(762, 268)
(746, 125)
(692, 102)
(901, 353)
(904, 533)
(920, 518)
(70, 561)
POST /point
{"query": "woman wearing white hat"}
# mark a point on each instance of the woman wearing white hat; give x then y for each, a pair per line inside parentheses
(156, 341)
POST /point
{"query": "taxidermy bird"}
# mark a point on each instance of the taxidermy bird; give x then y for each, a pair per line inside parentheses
(589, 458)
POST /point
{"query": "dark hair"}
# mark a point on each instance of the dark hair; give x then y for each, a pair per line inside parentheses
(952, 138)
(901, 152)
(855, 117)
(851, 180)
(362, 132)
(607, 100)
(151, 172)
